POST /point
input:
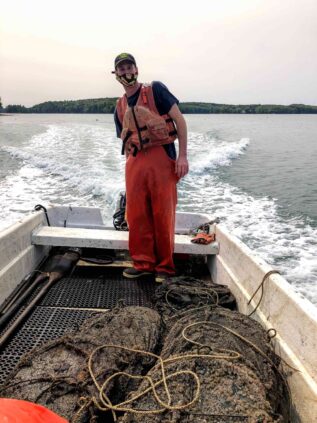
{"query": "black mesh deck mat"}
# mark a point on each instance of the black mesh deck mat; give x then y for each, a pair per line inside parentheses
(61, 310)
(99, 293)
(42, 325)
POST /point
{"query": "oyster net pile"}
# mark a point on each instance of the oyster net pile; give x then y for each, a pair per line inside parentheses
(190, 360)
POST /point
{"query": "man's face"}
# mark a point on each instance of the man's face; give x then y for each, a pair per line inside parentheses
(127, 73)
(126, 68)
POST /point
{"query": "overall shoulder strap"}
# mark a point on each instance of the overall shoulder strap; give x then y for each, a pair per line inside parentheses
(146, 98)
(122, 104)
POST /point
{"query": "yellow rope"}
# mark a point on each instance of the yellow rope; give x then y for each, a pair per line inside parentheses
(230, 331)
(189, 310)
(84, 402)
(105, 403)
(251, 344)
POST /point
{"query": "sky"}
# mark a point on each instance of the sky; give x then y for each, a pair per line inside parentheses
(220, 51)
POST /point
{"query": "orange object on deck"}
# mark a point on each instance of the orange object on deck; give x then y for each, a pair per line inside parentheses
(18, 411)
(203, 238)
(151, 202)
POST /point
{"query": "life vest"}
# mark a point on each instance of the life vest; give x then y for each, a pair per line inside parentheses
(142, 125)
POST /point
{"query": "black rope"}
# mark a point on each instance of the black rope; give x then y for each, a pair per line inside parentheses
(119, 221)
(39, 207)
(205, 226)
(135, 150)
(124, 141)
(98, 260)
(267, 275)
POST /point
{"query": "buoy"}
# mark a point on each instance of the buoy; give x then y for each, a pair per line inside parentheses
(18, 411)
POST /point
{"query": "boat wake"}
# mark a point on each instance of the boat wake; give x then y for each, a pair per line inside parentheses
(69, 164)
(287, 243)
(210, 154)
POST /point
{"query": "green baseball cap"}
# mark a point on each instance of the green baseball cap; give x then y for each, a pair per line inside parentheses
(124, 57)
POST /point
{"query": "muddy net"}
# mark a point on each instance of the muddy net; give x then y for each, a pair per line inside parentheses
(60, 375)
(192, 360)
(218, 367)
(182, 293)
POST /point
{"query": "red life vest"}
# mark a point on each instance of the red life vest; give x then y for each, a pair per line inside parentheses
(142, 125)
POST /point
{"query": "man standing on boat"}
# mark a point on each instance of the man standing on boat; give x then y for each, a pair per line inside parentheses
(148, 121)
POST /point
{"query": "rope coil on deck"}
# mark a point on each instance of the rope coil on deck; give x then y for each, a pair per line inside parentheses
(105, 403)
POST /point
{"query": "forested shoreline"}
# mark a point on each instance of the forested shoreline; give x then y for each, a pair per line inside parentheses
(107, 105)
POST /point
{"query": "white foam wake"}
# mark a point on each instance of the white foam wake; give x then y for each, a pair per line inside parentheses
(209, 154)
(286, 244)
(67, 164)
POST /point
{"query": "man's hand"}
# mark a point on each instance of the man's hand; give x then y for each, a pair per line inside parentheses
(181, 167)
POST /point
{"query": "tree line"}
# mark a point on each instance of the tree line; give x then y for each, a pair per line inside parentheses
(107, 105)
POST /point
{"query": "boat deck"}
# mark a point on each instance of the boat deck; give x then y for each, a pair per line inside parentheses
(77, 297)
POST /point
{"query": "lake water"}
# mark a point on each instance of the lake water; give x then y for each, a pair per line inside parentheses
(257, 173)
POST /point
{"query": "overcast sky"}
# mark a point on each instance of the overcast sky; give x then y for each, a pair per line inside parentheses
(221, 51)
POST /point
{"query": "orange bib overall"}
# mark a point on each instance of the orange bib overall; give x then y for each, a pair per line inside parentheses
(151, 201)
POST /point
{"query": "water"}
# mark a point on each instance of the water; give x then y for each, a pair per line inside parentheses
(256, 172)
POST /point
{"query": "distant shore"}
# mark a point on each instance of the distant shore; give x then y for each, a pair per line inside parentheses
(107, 105)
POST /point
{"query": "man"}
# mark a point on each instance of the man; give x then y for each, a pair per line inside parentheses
(144, 119)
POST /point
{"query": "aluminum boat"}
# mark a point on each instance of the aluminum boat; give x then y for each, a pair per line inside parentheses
(26, 244)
